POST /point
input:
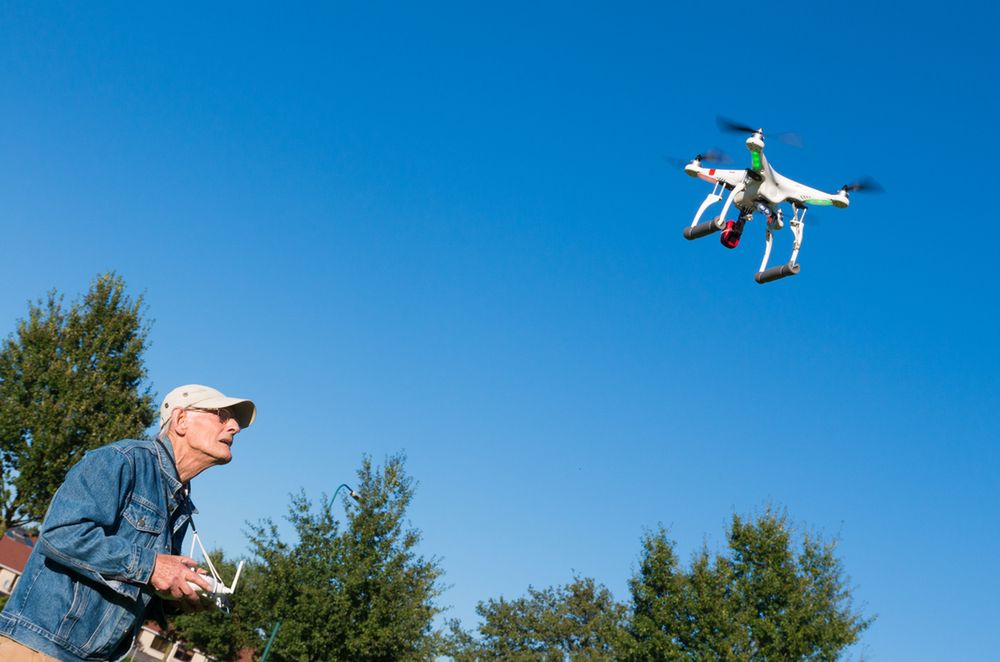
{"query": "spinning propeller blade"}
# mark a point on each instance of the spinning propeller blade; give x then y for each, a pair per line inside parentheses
(790, 138)
(733, 127)
(710, 156)
(729, 126)
(864, 184)
(715, 156)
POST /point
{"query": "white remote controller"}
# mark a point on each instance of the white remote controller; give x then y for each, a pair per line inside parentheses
(217, 593)
(213, 586)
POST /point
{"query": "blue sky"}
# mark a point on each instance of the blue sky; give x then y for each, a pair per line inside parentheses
(453, 231)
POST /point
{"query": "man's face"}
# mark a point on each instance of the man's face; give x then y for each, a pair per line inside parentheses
(211, 432)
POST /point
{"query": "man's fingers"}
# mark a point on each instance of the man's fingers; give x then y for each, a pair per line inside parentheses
(173, 569)
(181, 577)
(183, 590)
(200, 580)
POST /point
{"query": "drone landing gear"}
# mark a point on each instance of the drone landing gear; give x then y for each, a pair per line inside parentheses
(702, 229)
(797, 224)
(698, 230)
(775, 273)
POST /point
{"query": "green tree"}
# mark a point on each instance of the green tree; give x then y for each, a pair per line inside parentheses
(70, 380)
(358, 594)
(657, 599)
(768, 599)
(580, 620)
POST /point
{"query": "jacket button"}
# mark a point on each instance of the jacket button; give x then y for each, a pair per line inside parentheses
(142, 521)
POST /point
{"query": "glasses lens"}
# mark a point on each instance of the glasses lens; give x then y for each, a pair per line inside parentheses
(224, 414)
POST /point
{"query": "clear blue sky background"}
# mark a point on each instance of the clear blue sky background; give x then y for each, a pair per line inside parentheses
(452, 231)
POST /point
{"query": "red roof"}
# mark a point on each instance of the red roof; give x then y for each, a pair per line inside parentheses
(14, 554)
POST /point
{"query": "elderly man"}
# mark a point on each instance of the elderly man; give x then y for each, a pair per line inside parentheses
(109, 546)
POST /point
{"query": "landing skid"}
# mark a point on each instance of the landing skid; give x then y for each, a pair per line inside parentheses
(797, 225)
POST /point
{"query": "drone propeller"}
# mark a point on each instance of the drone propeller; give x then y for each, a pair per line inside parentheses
(729, 126)
(710, 156)
(864, 184)
(714, 156)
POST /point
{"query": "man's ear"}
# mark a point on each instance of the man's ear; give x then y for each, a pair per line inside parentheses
(179, 420)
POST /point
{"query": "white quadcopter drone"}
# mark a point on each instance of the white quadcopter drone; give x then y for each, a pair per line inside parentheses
(759, 188)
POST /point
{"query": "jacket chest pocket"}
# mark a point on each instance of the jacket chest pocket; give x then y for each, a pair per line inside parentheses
(145, 520)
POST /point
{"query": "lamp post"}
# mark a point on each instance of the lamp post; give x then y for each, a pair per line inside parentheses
(267, 649)
(354, 495)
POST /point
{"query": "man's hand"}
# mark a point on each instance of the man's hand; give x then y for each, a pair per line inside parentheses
(171, 575)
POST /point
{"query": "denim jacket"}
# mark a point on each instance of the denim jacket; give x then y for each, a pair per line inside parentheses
(85, 590)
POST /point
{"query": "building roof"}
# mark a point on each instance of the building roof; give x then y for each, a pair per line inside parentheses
(14, 553)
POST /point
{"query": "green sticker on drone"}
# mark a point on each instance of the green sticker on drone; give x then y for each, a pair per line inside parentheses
(820, 202)
(755, 156)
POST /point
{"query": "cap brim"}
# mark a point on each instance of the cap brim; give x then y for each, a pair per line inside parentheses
(245, 411)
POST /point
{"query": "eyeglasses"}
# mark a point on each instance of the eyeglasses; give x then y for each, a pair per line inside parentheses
(224, 414)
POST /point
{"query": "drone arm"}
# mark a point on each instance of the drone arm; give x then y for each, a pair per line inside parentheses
(806, 195)
(728, 177)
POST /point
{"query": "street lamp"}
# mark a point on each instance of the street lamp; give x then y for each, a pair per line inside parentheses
(354, 495)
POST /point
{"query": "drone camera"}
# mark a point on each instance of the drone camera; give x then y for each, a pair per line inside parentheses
(731, 235)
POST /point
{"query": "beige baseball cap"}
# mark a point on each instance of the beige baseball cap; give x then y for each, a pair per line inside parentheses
(204, 397)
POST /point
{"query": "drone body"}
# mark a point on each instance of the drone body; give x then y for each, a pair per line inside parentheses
(758, 188)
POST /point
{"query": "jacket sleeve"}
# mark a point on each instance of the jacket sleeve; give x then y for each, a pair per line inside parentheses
(82, 528)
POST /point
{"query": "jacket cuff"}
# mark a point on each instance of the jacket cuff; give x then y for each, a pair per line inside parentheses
(141, 570)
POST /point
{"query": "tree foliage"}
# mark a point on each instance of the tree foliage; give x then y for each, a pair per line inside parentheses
(361, 593)
(580, 621)
(764, 600)
(71, 379)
